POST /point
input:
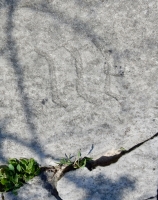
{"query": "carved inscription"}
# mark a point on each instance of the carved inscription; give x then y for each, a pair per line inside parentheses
(91, 74)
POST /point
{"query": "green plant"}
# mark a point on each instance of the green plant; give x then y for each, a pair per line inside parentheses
(16, 173)
(66, 161)
(79, 162)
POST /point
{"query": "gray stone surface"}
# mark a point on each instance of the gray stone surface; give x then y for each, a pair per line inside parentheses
(132, 177)
(77, 74)
(34, 190)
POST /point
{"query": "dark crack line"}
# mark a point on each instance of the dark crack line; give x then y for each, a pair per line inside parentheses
(150, 198)
(49, 185)
(139, 144)
(104, 161)
(92, 147)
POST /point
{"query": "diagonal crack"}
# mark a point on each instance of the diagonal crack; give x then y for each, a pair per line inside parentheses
(108, 160)
(150, 198)
(103, 161)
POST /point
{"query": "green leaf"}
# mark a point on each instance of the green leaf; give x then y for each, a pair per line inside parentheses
(11, 167)
(13, 160)
(84, 163)
(18, 167)
(30, 165)
(23, 167)
(4, 181)
(27, 178)
(24, 161)
(16, 178)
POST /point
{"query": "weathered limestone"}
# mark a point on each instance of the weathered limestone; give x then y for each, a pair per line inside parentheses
(76, 75)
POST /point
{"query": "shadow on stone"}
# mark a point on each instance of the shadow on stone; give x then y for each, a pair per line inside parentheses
(100, 187)
(11, 54)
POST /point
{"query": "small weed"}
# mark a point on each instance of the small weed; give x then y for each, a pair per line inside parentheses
(16, 173)
(66, 161)
(79, 162)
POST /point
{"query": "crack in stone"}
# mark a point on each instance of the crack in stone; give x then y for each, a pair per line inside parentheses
(150, 198)
(103, 161)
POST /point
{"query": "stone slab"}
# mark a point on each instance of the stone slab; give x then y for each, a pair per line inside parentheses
(81, 75)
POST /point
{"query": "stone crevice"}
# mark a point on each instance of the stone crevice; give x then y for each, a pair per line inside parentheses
(58, 172)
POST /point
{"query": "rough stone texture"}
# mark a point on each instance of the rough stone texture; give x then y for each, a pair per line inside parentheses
(34, 190)
(132, 177)
(79, 73)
